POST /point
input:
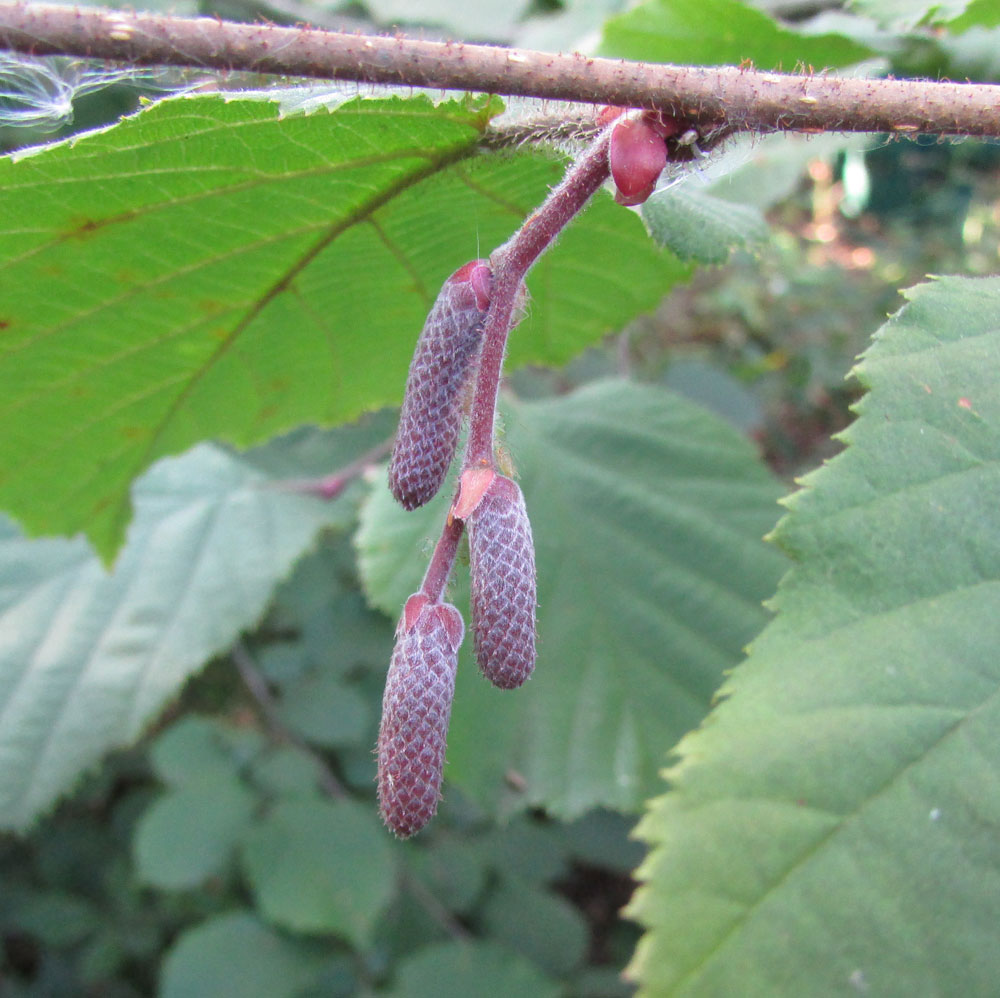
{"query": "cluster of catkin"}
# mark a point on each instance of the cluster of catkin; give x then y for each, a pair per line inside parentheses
(463, 337)
(420, 685)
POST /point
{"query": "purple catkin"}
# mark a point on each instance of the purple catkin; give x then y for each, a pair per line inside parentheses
(442, 364)
(502, 565)
(416, 708)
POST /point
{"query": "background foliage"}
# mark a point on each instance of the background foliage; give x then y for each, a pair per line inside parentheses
(251, 269)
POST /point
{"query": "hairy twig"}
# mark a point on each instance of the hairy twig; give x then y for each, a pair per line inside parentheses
(510, 263)
(738, 98)
(330, 486)
(256, 684)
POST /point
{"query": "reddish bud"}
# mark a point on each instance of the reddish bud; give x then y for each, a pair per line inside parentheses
(637, 155)
(502, 565)
(416, 708)
(442, 363)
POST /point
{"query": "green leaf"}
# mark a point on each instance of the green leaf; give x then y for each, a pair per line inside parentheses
(212, 269)
(188, 835)
(324, 710)
(287, 772)
(978, 14)
(904, 14)
(647, 514)
(461, 969)
(453, 868)
(202, 750)
(719, 32)
(603, 839)
(90, 656)
(54, 917)
(543, 927)
(317, 866)
(697, 226)
(235, 956)
(832, 827)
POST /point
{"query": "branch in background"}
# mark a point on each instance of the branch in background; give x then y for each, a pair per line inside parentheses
(709, 97)
(330, 486)
(256, 683)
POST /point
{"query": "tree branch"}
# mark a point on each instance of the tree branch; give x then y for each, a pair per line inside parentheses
(726, 97)
(258, 688)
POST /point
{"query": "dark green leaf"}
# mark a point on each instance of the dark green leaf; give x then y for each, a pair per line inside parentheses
(190, 834)
(324, 710)
(459, 970)
(453, 868)
(235, 956)
(832, 828)
(541, 926)
(603, 839)
(202, 750)
(287, 771)
(317, 866)
(54, 917)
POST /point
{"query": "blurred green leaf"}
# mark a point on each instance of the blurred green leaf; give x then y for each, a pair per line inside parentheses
(202, 750)
(461, 969)
(720, 32)
(91, 656)
(453, 868)
(570, 26)
(324, 710)
(832, 826)
(603, 839)
(285, 771)
(212, 269)
(541, 926)
(763, 171)
(55, 917)
(713, 387)
(903, 14)
(235, 956)
(978, 14)
(642, 606)
(528, 849)
(317, 866)
(697, 226)
(191, 834)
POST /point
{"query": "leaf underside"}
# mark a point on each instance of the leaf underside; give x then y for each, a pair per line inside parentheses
(833, 828)
(89, 657)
